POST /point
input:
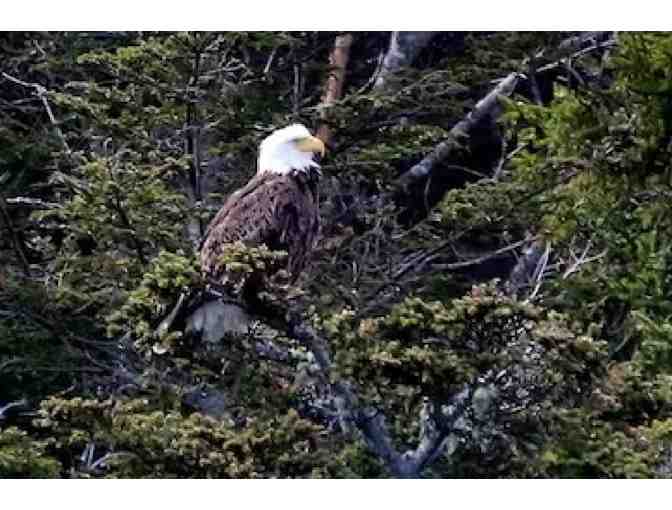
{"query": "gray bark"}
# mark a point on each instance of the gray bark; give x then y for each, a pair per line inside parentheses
(488, 107)
(403, 50)
(438, 426)
(216, 319)
(522, 272)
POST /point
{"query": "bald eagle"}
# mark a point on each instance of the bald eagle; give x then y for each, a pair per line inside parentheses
(278, 207)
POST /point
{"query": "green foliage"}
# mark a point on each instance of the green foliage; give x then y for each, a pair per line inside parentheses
(582, 369)
(129, 212)
(36, 353)
(431, 349)
(169, 275)
(142, 441)
(241, 260)
(611, 152)
(23, 457)
(593, 449)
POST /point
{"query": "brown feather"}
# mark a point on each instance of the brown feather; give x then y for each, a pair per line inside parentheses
(280, 211)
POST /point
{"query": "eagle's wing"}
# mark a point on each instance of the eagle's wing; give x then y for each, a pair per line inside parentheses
(275, 210)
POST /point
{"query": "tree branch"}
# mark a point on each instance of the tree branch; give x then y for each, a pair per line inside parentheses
(32, 202)
(487, 107)
(7, 407)
(522, 272)
(371, 423)
(41, 92)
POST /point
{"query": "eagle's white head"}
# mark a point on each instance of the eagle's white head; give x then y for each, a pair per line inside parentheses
(289, 149)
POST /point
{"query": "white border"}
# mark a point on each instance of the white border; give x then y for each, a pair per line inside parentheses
(334, 494)
(334, 15)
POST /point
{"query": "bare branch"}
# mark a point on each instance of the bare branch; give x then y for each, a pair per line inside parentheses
(582, 260)
(483, 258)
(506, 158)
(41, 92)
(7, 407)
(374, 75)
(271, 57)
(539, 272)
(487, 107)
(522, 271)
(371, 423)
(32, 202)
(10, 362)
(296, 98)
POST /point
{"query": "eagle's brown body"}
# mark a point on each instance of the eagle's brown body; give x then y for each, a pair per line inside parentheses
(280, 211)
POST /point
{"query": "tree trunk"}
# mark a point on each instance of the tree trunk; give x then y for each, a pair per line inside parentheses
(404, 49)
(338, 62)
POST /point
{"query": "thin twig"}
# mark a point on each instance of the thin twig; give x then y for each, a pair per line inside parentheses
(483, 258)
(581, 260)
(540, 270)
(267, 67)
(374, 75)
(296, 90)
(9, 362)
(4, 409)
(32, 202)
(506, 158)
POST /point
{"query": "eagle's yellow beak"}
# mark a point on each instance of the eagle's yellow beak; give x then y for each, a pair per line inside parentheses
(311, 144)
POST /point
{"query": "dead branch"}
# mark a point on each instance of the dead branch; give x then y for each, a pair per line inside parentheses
(41, 92)
(419, 261)
(581, 260)
(403, 50)
(338, 62)
(583, 40)
(436, 425)
(506, 158)
(297, 89)
(374, 76)
(479, 260)
(32, 202)
(488, 107)
(522, 272)
(8, 363)
(540, 272)
(269, 62)
(5, 408)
